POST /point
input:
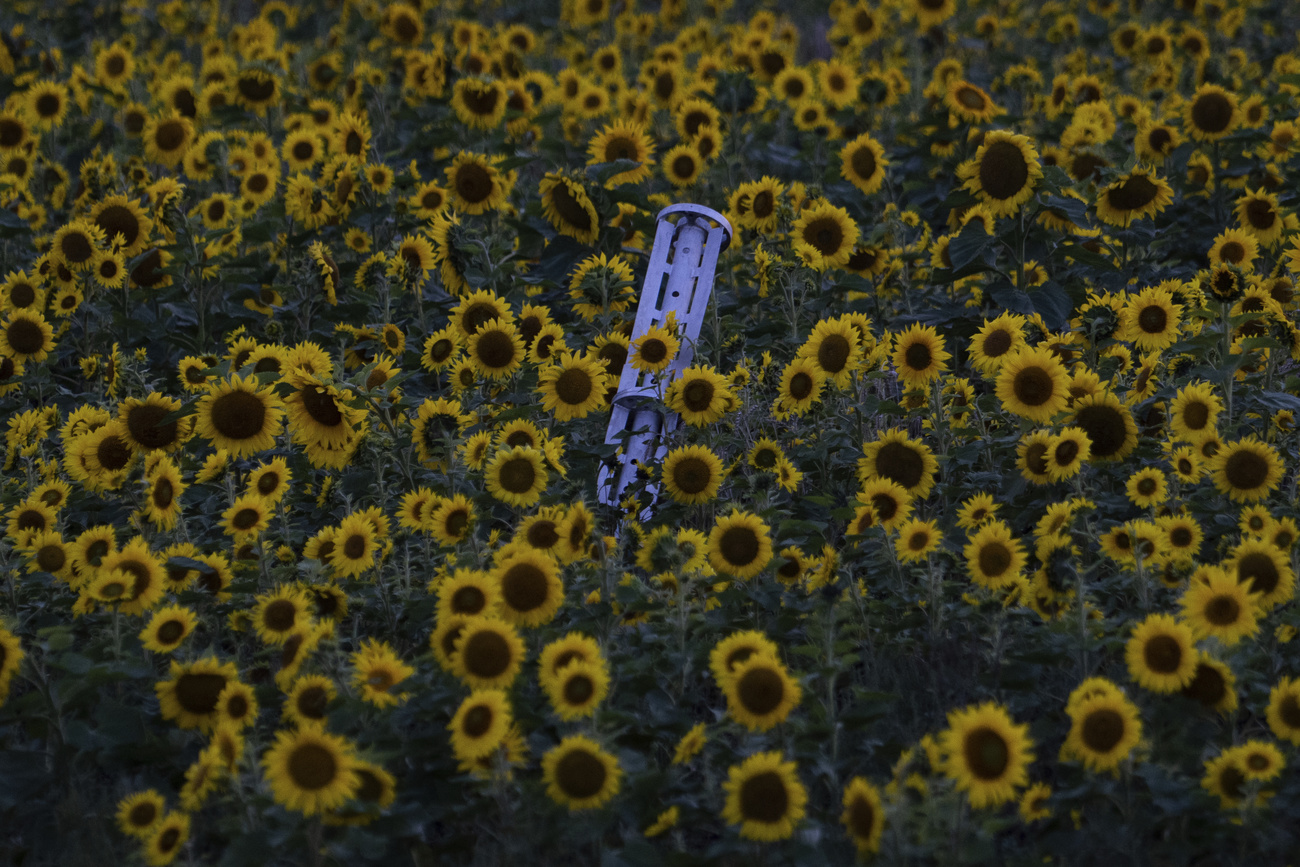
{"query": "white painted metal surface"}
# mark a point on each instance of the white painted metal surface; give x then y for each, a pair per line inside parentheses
(679, 281)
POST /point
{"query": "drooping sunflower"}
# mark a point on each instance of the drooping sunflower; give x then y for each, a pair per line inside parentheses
(319, 412)
(1161, 654)
(240, 416)
(994, 558)
(760, 692)
(1003, 172)
(1138, 194)
(480, 724)
(1216, 604)
(824, 236)
(1104, 729)
(764, 797)
(310, 770)
(580, 774)
(919, 356)
(986, 754)
(740, 545)
(1246, 470)
(692, 474)
(568, 207)
(863, 163)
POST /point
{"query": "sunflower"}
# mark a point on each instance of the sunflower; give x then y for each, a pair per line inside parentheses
(1216, 604)
(356, 544)
(240, 416)
(517, 476)
(246, 519)
(1232, 247)
(319, 412)
(994, 558)
(577, 688)
(863, 163)
(700, 395)
(997, 340)
(919, 356)
(475, 184)
(1161, 654)
(837, 350)
(11, 660)
(307, 700)
(740, 545)
(1109, 425)
(572, 387)
(138, 814)
(310, 770)
(1283, 710)
(1210, 114)
(487, 652)
(986, 754)
(376, 671)
(968, 102)
(118, 215)
(897, 457)
(1066, 453)
(1264, 569)
(692, 474)
(25, 337)
(760, 692)
(682, 165)
(480, 724)
(824, 236)
(144, 572)
(800, 387)
(579, 774)
(622, 140)
(656, 348)
(114, 66)
(167, 138)
(1259, 213)
(917, 540)
(1104, 728)
(764, 797)
(1247, 470)
(189, 696)
(1136, 195)
(451, 521)
(496, 350)
(167, 628)
(277, 614)
(48, 552)
(568, 207)
(1003, 172)
(166, 839)
(863, 816)
(1033, 383)
(530, 588)
(886, 503)
(479, 103)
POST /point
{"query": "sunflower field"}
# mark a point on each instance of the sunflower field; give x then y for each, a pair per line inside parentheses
(971, 538)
